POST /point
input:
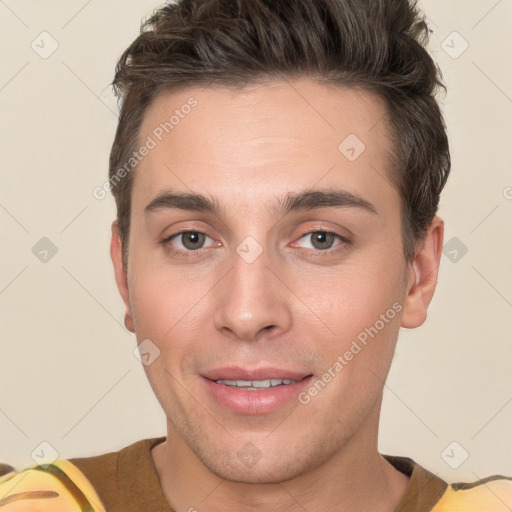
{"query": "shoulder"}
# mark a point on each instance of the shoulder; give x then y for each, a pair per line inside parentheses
(85, 484)
(56, 487)
(490, 494)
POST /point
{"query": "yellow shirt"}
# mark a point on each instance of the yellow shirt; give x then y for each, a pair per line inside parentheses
(127, 481)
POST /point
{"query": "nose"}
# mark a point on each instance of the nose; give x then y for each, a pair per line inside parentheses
(253, 300)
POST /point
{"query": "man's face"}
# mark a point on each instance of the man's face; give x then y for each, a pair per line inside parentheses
(261, 294)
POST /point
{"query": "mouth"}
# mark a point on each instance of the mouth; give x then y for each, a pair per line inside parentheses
(257, 385)
(255, 391)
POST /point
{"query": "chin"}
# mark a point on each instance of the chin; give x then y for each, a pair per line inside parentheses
(262, 475)
(250, 466)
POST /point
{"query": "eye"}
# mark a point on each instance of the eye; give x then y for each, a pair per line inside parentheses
(185, 243)
(322, 241)
(190, 241)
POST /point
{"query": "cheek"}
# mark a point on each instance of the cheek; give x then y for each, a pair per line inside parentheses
(362, 309)
(159, 295)
(172, 310)
(352, 297)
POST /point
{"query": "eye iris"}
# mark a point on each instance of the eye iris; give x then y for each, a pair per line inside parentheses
(321, 236)
(195, 238)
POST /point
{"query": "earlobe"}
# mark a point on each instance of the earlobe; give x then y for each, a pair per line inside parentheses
(116, 254)
(423, 273)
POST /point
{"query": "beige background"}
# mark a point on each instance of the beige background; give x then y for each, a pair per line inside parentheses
(68, 375)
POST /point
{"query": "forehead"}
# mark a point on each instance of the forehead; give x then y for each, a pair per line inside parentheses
(289, 134)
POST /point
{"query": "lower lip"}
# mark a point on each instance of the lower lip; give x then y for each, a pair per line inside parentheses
(256, 401)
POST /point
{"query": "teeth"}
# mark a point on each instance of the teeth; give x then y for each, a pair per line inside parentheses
(259, 383)
(255, 384)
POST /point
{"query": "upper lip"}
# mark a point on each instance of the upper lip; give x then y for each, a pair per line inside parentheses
(238, 373)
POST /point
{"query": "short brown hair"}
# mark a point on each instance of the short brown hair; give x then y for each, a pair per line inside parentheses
(378, 45)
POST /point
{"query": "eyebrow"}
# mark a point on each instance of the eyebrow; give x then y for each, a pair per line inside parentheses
(290, 202)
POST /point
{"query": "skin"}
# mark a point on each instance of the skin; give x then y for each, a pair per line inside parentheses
(211, 308)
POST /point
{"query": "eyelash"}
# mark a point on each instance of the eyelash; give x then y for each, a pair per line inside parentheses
(315, 252)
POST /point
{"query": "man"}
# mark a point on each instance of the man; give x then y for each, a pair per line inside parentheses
(277, 170)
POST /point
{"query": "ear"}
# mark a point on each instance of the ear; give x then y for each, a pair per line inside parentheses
(116, 254)
(422, 279)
